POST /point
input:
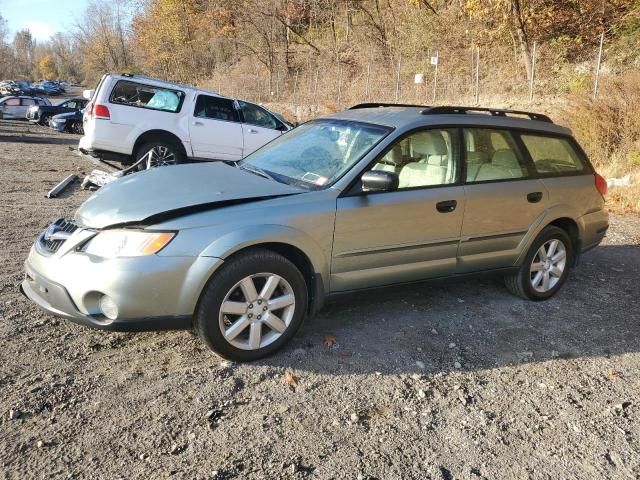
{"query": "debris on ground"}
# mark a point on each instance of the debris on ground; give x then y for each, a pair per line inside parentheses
(61, 186)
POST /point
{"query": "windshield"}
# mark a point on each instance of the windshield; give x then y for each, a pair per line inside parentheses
(316, 154)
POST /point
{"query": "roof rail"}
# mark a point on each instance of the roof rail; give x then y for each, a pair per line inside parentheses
(497, 112)
(376, 105)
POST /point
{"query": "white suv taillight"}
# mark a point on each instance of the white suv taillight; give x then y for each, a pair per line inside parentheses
(101, 111)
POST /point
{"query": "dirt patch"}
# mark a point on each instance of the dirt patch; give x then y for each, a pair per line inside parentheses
(459, 380)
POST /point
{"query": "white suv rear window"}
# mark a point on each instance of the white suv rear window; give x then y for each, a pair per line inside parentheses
(135, 94)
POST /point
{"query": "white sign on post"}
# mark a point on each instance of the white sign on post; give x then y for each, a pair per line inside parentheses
(434, 60)
(419, 78)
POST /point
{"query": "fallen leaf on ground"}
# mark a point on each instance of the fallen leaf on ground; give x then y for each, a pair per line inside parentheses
(613, 373)
(290, 379)
(329, 340)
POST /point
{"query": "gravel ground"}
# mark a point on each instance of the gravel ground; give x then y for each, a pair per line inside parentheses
(452, 381)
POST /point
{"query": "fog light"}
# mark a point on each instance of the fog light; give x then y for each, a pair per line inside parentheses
(108, 307)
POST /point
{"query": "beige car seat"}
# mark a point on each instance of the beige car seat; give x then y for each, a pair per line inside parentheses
(504, 164)
(475, 160)
(431, 168)
(393, 157)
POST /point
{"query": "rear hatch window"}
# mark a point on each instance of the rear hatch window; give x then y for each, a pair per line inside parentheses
(135, 94)
(553, 155)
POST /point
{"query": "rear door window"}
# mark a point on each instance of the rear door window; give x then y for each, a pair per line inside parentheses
(28, 101)
(139, 95)
(215, 108)
(491, 154)
(552, 155)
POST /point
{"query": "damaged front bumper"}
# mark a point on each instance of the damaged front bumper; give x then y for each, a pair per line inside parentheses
(150, 292)
(55, 300)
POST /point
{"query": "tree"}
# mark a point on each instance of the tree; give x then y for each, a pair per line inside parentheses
(23, 45)
(173, 37)
(47, 68)
(545, 20)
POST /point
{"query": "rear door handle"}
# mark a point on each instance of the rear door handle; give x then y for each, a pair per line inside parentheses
(198, 124)
(447, 206)
(252, 130)
(534, 197)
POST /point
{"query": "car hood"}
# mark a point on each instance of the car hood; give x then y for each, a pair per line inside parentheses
(172, 191)
(64, 116)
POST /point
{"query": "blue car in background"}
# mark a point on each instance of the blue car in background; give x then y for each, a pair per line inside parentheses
(70, 122)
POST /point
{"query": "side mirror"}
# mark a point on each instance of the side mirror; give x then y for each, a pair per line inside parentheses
(88, 94)
(379, 181)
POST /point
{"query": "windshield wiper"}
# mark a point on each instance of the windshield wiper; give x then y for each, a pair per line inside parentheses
(256, 171)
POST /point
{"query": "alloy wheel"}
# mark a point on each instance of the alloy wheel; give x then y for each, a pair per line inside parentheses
(548, 265)
(76, 127)
(257, 311)
(159, 156)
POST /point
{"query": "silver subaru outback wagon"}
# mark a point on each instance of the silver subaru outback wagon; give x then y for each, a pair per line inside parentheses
(376, 195)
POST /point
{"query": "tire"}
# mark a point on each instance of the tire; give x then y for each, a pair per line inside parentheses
(164, 153)
(44, 120)
(267, 271)
(77, 128)
(539, 279)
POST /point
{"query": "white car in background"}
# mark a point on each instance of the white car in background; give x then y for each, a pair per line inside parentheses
(16, 106)
(131, 116)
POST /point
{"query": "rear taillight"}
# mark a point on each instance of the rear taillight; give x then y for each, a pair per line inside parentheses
(601, 184)
(101, 111)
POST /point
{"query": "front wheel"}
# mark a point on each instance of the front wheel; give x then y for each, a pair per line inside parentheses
(159, 154)
(546, 266)
(252, 306)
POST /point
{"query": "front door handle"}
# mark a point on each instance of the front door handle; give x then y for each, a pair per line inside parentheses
(252, 130)
(198, 124)
(534, 197)
(446, 206)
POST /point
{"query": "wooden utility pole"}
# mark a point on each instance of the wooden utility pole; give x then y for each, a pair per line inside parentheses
(477, 93)
(598, 65)
(398, 79)
(435, 77)
(533, 71)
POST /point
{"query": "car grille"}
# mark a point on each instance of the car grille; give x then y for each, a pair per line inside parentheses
(56, 234)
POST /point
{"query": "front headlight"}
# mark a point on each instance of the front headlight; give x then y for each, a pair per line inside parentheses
(127, 243)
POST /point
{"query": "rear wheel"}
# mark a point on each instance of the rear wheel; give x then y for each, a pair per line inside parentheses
(252, 306)
(76, 127)
(159, 154)
(546, 266)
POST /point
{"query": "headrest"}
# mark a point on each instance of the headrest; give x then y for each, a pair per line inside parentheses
(505, 158)
(428, 143)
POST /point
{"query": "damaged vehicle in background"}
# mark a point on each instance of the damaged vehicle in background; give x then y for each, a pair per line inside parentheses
(70, 122)
(41, 113)
(242, 252)
(15, 107)
(131, 117)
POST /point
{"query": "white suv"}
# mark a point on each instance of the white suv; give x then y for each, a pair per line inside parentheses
(130, 116)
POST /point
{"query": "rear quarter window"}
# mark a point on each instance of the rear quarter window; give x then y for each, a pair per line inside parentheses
(553, 155)
(139, 95)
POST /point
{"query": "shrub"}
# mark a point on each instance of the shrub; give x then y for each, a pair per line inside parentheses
(608, 128)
